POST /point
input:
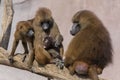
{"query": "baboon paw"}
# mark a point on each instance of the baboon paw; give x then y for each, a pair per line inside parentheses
(59, 64)
(11, 59)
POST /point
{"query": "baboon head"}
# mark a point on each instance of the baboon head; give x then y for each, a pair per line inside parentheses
(81, 20)
(25, 29)
(44, 19)
(48, 42)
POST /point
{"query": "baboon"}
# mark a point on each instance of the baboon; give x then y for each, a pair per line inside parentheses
(90, 50)
(52, 46)
(44, 25)
(25, 33)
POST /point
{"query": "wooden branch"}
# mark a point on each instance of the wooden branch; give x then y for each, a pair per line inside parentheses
(50, 70)
(6, 23)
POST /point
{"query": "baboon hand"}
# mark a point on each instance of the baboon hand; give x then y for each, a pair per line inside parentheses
(11, 59)
(60, 63)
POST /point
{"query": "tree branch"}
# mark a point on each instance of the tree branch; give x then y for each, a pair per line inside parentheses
(50, 70)
(6, 23)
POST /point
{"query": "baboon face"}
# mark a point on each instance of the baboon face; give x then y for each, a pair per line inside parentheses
(46, 24)
(48, 41)
(75, 28)
(25, 29)
(76, 24)
(44, 19)
(81, 20)
(30, 32)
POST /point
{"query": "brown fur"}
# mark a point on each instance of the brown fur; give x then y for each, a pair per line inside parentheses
(30, 21)
(41, 55)
(91, 44)
(21, 34)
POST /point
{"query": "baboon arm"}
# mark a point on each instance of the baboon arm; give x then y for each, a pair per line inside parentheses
(15, 44)
(61, 51)
(71, 69)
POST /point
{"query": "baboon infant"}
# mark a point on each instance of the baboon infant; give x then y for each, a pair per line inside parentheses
(53, 47)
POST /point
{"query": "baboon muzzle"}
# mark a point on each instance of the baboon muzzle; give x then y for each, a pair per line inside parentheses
(45, 26)
(75, 29)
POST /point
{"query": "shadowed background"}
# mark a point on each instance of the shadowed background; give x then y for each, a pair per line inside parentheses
(63, 10)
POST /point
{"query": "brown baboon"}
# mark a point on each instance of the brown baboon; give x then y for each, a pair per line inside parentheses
(53, 47)
(24, 32)
(90, 45)
(44, 25)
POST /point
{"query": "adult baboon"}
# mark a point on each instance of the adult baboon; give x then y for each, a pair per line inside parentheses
(90, 51)
(44, 25)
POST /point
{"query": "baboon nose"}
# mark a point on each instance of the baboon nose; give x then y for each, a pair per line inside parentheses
(71, 32)
(45, 26)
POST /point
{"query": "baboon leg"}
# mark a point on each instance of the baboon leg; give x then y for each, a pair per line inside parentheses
(24, 43)
(32, 55)
(92, 72)
(15, 44)
(99, 70)
(71, 69)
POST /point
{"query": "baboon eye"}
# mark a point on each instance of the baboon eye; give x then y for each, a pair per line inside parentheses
(47, 21)
(75, 22)
(42, 23)
(20, 27)
(51, 23)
